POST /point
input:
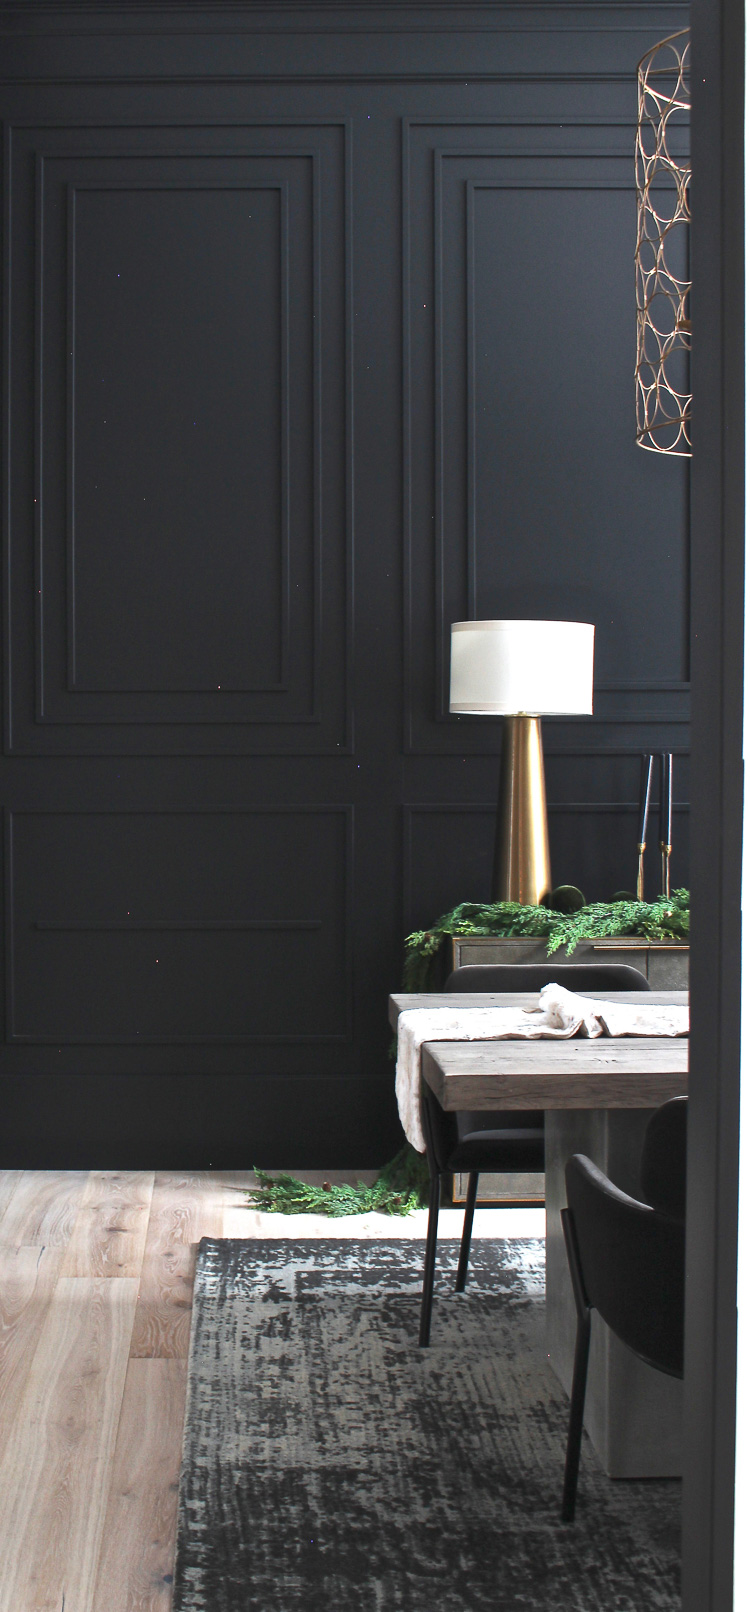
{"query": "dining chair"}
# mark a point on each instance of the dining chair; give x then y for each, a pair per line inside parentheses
(474, 1142)
(627, 1260)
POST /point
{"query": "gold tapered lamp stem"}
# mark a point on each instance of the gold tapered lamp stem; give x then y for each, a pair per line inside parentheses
(666, 852)
(641, 881)
(522, 866)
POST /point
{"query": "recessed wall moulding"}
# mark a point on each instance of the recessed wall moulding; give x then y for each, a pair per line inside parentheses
(525, 495)
(182, 581)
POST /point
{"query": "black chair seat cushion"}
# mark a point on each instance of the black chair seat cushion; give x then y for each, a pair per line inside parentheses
(512, 1140)
(500, 1150)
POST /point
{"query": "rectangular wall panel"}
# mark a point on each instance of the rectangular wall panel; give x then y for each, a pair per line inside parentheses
(180, 580)
(542, 530)
(527, 495)
(179, 460)
(168, 927)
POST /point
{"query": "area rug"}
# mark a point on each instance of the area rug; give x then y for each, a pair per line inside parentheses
(330, 1465)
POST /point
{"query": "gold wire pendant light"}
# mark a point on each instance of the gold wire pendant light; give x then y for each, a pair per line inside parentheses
(663, 187)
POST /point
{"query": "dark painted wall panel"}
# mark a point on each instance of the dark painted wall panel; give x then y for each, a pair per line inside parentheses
(397, 42)
(193, 1121)
(178, 356)
(179, 926)
(410, 374)
(527, 492)
(552, 309)
(189, 567)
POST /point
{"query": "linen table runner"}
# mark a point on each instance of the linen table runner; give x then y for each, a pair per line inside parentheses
(560, 1015)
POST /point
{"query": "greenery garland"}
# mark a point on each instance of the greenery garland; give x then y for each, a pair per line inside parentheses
(401, 1187)
(667, 918)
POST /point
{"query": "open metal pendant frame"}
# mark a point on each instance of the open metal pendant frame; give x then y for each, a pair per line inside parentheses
(663, 405)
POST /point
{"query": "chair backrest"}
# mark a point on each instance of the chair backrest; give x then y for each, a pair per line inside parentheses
(581, 977)
(632, 1261)
(664, 1159)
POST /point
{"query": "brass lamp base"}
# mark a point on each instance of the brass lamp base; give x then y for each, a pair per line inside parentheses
(522, 867)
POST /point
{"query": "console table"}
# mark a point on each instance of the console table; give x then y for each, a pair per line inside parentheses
(666, 963)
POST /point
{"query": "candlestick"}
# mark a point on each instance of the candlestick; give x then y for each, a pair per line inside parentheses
(665, 819)
(647, 768)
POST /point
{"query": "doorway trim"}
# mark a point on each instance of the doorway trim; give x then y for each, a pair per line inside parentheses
(717, 555)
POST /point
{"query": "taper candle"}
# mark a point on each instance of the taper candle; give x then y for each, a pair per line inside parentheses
(665, 819)
(647, 769)
(665, 807)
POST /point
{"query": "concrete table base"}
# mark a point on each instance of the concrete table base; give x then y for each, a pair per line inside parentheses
(633, 1413)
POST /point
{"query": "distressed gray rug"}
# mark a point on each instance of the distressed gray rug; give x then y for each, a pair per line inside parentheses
(330, 1465)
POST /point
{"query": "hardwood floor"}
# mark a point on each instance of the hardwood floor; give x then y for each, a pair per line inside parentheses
(96, 1280)
(96, 1289)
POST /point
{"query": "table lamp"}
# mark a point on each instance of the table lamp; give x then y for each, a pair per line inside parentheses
(522, 670)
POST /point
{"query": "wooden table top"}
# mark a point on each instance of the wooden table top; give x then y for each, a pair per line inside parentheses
(626, 1072)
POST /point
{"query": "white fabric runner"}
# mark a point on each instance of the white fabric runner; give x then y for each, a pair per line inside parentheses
(560, 1015)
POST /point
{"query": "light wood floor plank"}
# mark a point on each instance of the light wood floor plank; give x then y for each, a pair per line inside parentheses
(42, 1209)
(110, 1230)
(54, 1474)
(137, 1555)
(9, 1180)
(184, 1208)
(27, 1283)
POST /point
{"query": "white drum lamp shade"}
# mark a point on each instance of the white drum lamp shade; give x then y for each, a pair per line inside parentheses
(534, 668)
(522, 670)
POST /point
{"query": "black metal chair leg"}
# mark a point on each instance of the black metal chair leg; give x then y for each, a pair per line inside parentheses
(429, 1262)
(463, 1258)
(575, 1424)
(580, 1370)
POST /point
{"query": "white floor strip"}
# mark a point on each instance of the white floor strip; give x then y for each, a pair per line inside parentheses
(244, 1222)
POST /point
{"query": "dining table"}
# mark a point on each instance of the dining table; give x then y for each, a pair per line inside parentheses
(597, 1096)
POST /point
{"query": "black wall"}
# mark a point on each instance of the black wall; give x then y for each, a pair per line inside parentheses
(319, 334)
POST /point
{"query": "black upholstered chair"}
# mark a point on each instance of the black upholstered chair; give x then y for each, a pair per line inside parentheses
(627, 1260)
(513, 1140)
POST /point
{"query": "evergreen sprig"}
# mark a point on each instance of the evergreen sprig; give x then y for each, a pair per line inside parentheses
(667, 918)
(401, 1188)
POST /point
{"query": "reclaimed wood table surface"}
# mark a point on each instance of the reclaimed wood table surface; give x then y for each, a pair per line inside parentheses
(622, 1072)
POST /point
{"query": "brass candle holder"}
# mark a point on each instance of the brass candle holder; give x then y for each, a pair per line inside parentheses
(647, 773)
(665, 820)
